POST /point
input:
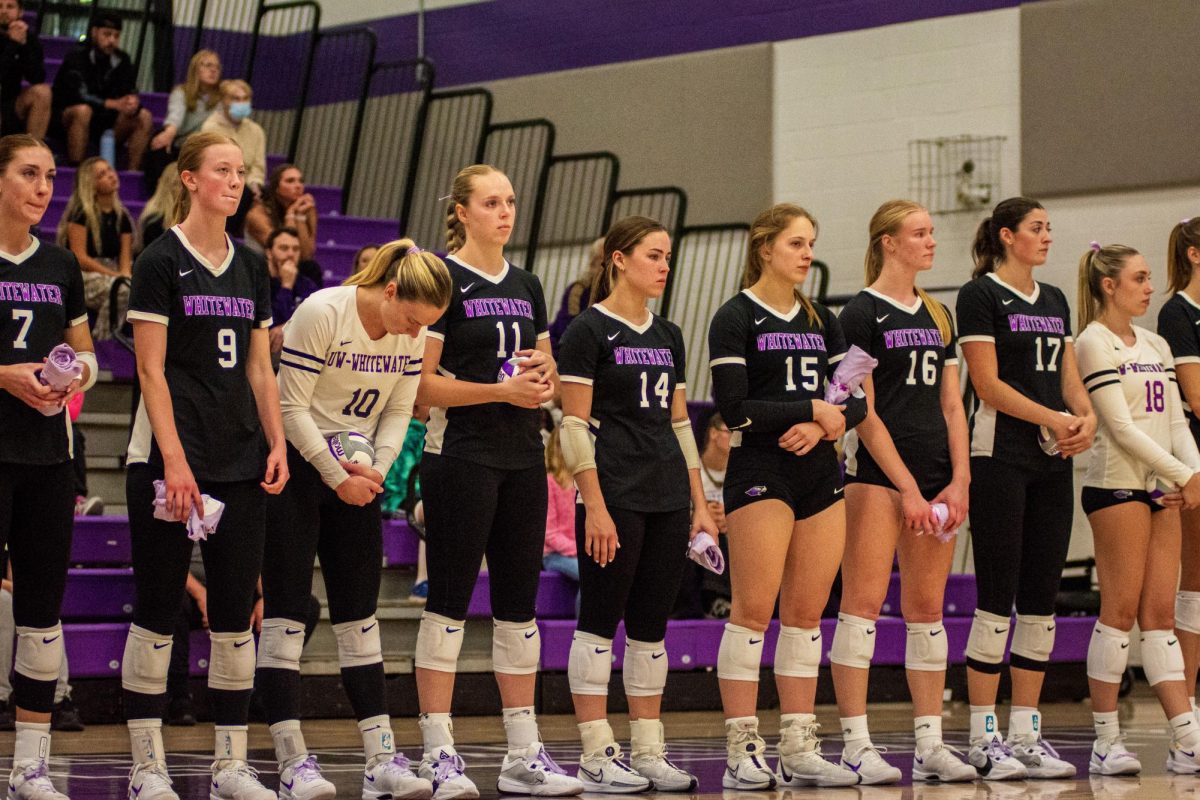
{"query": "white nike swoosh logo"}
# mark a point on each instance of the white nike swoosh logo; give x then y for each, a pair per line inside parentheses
(465, 289)
(881, 319)
(189, 272)
(837, 491)
(615, 335)
(1006, 302)
(760, 321)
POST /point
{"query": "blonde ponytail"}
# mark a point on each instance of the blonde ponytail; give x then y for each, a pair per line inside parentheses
(419, 275)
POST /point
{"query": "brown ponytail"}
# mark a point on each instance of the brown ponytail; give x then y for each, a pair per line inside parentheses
(1184, 236)
(624, 235)
(988, 250)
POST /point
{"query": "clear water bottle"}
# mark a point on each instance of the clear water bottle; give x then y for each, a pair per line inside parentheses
(108, 147)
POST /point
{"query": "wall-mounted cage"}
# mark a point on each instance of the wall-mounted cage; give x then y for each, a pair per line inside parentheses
(955, 173)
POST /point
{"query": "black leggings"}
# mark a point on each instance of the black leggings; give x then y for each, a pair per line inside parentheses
(37, 513)
(1020, 532)
(161, 556)
(305, 521)
(640, 584)
(471, 511)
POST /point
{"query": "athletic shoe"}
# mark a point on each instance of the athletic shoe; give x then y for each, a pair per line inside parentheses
(88, 506)
(745, 767)
(666, 776)
(994, 761)
(150, 782)
(870, 767)
(1182, 761)
(30, 781)
(446, 772)
(941, 763)
(391, 778)
(801, 763)
(535, 773)
(65, 717)
(1040, 759)
(238, 781)
(605, 772)
(419, 593)
(1110, 757)
(303, 781)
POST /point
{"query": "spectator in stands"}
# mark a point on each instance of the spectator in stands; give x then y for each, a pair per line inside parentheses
(188, 106)
(159, 213)
(96, 89)
(363, 257)
(716, 593)
(232, 118)
(577, 295)
(22, 108)
(284, 203)
(98, 229)
(559, 552)
(288, 287)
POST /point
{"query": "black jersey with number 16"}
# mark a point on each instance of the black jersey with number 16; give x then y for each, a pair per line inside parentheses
(634, 371)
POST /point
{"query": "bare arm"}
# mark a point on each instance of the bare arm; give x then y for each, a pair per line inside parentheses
(266, 398)
(125, 259)
(258, 224)
(956, 495)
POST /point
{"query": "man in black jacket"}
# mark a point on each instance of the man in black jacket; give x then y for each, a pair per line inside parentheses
(22, 109)
(96, 89)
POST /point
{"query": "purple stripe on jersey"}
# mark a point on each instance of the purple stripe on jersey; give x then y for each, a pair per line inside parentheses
(1140, 368)
(31, 292)
(359, 362)
(1023, 323)
(498, 307)
(651, 356)
(913, 337)
(207, 305)
(791, 341)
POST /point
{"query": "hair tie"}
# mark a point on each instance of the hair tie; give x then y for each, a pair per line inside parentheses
(414, 249)
(1185, 221)
(446, 197)
(1095, 246)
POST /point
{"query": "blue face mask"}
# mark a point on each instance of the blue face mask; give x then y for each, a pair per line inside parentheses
(239, 111)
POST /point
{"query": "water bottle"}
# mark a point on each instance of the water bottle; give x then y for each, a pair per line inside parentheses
(108, 147)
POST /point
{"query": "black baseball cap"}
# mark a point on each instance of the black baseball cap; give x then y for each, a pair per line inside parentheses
(105, 19)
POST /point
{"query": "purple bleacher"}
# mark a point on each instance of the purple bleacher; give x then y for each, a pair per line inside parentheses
(130, 191)
(98, 594)
(336, 261)
(95, 649)
(355, 231)
(57, 47)
(327, 198)
(114, 357)
(58, 205)
(959, 600)
(555, 597)
(400, 544)
(101, 540)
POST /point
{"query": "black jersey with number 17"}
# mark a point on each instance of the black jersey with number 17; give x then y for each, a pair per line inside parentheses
(490, 318)
(1030, 333)
(634, 371)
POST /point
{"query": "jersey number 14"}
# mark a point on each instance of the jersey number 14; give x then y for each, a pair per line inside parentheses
(661, 388)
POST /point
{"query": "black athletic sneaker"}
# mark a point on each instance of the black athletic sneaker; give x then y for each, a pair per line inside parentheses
(65, 717)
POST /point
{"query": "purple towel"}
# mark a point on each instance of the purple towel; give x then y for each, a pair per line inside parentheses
(198, 529)
(60, 369)
(705, 552)
(941, 513)
(851, 371)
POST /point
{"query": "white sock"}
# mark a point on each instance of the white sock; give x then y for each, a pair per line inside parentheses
(595, 736)
(289, 743)
(928, 731)
(230, 744)
(1024, 721)
(378, 741)
(1185, 730)
(983, 722)
(33, 742)
(1106, 724)
(520, 727)
(1192, 702)
(855, 734)
(436, 731)
(145, 741)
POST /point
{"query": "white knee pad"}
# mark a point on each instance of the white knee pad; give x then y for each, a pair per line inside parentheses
(146, 660)
(1108, 654)
(989, 634)
(853, 642)
(516, 647)
(1187, 611)
(280, 644)
(231, 661)
(589, 666)
(925, 648)
(645, 669)
(1162, 659)
(439, 639)
(740, 655)
(798, 652)
(1034, 637)
(358, 643)
(39, 652)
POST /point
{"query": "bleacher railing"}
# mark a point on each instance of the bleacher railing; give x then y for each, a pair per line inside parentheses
(522, 150)
(224, 26)
(282, 51)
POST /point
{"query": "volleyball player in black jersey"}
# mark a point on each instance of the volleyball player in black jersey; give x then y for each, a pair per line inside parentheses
(201, 310)
(623, 370)
(1015, 334)
(1179, 324)
(483, 481)
(772, 350)
(41, 306)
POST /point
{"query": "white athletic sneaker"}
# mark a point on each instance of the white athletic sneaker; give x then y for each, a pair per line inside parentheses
(994, 761)
(30, 781)
(605, 772)
(238, 781)
(1110, 757)
(391, 778)
(665, 776)
(1040, 759)
(942, 764)
(801, 763)
(150, 782)
(303, 781)
(535, 773)
(1182, 761)
(745, 766)
(870, 767)
(446, 772)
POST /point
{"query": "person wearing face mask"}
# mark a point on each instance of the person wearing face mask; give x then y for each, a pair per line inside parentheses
(232, 118)
(96, 90)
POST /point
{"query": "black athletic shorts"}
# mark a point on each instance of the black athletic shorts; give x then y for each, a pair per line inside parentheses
(809, 484)
(932, 472)
(1094, 498)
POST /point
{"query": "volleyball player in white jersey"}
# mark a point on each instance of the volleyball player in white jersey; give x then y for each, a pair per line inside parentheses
(483, 482)
(41, 307)
(1143, 443)
(351, 362)
(910, 451)
(1179, 324)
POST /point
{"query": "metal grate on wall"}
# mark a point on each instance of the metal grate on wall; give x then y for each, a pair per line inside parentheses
(955, 173)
